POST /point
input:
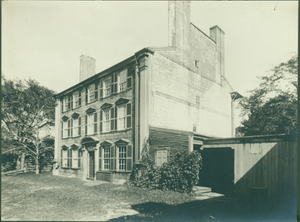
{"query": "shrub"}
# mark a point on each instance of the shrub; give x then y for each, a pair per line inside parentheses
(180, 174)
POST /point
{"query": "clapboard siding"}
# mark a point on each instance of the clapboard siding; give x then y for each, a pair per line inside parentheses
(273, 167)
(177, 141)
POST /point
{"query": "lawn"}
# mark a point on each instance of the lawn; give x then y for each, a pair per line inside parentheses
(48, 197)
(45, 197)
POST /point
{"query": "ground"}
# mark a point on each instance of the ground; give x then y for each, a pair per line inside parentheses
(47, 197)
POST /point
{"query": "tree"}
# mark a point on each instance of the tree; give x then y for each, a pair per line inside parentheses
(26, 108)
(272, 107)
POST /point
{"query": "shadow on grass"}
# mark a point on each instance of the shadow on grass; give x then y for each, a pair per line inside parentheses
(218, 209)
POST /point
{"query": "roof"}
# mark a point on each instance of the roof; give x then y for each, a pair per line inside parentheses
(107, 71)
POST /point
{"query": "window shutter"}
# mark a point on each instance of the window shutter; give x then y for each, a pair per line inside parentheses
(62, 129)
(112, 117)
(62, 105)
(95, 122)
(86, 95)
(101, 113)
(61, 157)
(101, 89)
(79, 158)
(129, 82)
(113, 157)
(128, 115)
(71, 127)
(71, 101)
(85, 124)
(129, 153)
(116, 118)
(70, 158)
(100, 158)
(68, 128)
(79, 126)
(79, 99)
(96, 91)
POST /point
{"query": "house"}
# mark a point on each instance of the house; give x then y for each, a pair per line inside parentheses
(169, 97)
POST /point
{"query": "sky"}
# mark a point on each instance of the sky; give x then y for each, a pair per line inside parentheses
(43, 40)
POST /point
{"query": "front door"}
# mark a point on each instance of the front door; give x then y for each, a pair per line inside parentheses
(91, 165)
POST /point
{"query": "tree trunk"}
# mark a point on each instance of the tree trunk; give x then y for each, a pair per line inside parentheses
(37, 165)
(22, 161)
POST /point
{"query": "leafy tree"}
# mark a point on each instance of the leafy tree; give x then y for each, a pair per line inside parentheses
(26, 108)
(272, 107)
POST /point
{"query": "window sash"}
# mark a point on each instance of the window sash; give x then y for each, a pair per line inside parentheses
(122, 158)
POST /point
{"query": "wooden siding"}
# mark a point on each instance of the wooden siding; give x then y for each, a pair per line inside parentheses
(177, 141)
(270, 165)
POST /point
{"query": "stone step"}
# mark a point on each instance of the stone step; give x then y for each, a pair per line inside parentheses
(199, 189)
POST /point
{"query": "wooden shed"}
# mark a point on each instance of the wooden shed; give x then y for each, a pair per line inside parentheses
(244, 166)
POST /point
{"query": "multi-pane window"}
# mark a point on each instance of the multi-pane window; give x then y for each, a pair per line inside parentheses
(77, 98)
(123, 80)
(106, 155)
(89, 124)
(122, 158)
(77, 127)
(122, 117)
(70, 102)
(76, 159)
(65, 129)
(106, 122)
(66, 157)
(107, 86)
(161, 157)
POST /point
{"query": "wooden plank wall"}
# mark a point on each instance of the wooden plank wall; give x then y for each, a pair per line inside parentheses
(159, 138)
(273, 168)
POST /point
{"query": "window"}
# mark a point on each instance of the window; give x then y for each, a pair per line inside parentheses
(66, 157)
(106, 121)
(122, 158)
(161, 157)
(106, 154)
(107, 86)
(91, 124)
(131, 72)
(96, 91)
(77, 127)
(64, 129)
(77, 99)
(114, 84)
(76, 158)
(122, 117)
(123, 80)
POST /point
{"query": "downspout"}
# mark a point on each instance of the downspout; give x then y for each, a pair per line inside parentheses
(137, 109)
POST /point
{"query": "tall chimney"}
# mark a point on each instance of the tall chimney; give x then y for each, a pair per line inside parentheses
(217, 34)
(87, 67)
(179, 23)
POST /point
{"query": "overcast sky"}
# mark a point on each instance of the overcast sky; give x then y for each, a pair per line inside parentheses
(44, 40)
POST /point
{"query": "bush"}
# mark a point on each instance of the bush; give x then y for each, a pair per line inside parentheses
(180, 174)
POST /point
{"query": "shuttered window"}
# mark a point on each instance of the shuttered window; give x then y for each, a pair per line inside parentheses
(125, 157)
(123, 80)
(114, 83)
(130, 75)
(101, 121)
(113, 118)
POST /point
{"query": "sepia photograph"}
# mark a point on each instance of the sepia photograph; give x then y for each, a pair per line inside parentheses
(149, 110)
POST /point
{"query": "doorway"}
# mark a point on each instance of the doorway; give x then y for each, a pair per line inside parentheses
(218, 169)
(91, 173)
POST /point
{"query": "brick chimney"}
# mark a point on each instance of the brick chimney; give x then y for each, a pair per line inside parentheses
(217, 34)
(179, 23)
(87, 67)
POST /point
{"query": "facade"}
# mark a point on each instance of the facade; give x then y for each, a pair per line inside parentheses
(169, 98)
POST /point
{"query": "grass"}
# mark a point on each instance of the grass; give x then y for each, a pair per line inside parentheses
(48, 197)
